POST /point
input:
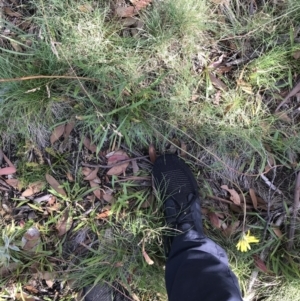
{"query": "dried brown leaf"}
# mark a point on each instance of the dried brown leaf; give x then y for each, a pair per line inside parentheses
(118, 169)
(277, 232)
(253, 198)
(17, 47)
(7, 171)
(55, 185)
(85, 8)
(8, 161)
(13, 182)
(283, 116)
(147, 257)
(126, 22)
(234, 196)
(97, 192)
(217, 82)
(152, 153)
(116, 156)
(135, 167)
(33, 188)
(11, 13)
(69, 177)
(108, 197)
(86, 171)
(260, 264)
(57, 133)
(140, 4)
(296, 55)
(103, 215)
(31, 289)
(92, 176)
(126, 11)
(24, 297)
(31, 239)
(90, 146)
(69, 128)
(183, 150)
(214, 220)
(231, 229)
(64, 224)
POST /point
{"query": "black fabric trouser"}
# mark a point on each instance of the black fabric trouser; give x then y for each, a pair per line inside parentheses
(197, 270)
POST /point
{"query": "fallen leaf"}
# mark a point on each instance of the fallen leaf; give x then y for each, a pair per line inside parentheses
(69, 177)
(49, 283)
(90, 146)
(126, 22)
(97, 192)
(231, 229)
(13, 182)
(85, 8)
(86, 171)
(11, 13)
(147, 203)
(31, 239)
(68, 129)
(17, 47)
(135, 167)
(296, 55)
(234, 196)
(126, 11)
(55, 185)
(7, 171)
(147, 257)
(183, 149)
(140, 4)
(8, 161)
(103, 215)
(245, 86)
(64, 224)
(118, 169)
(43, 198)
(152, 153)
(204, 211)
(277, 232)
(24, 297)
(253, 198)
(33, 188)
(283, 116)
(31, 289)
(214, 220)
(57, 133)
(217, 82)
(260, 264)
(116, 156)
(108, 197)
(92, 175)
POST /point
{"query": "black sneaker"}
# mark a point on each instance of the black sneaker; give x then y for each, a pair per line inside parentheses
(177, 187)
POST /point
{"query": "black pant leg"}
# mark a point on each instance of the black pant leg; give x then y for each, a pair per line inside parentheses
(197, 270)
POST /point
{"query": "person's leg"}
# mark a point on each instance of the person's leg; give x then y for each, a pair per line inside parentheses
(197, 268)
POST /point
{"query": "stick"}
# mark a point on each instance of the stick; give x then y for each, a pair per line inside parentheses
(294, 91)
(216, 198)
(296, 207)
(119, 163)
(17, 79)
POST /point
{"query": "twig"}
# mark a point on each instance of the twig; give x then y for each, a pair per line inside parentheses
(294, 91)
(216, 198)
(270, 184)
(17, 79)
(112, 165)
(296, 207)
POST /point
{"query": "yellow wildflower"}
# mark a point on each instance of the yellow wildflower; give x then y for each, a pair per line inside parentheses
(244, 243)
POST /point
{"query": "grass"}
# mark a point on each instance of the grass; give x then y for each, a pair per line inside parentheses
(155, 87)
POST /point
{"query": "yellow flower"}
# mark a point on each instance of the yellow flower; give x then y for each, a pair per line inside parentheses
(244, 243)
